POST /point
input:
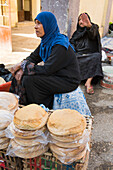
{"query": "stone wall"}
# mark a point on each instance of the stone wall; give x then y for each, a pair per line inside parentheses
(60, 10)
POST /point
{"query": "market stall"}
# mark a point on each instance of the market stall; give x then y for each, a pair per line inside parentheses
(38, 141)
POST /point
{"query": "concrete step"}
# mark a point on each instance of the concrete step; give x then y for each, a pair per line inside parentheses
(25, 23)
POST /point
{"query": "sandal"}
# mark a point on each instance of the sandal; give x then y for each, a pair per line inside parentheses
(89, 90)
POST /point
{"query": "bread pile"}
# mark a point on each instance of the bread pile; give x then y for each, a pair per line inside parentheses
(8, 101)
(68, 137)
(30, 132)
(5, 119)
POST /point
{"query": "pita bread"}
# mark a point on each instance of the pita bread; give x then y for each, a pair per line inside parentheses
(2, 133)
(67, 145)
(66, 152)
(30, 117)
(2, 81)
(24, 134)
(4, 140)
(5, 118)
(31, 154)
(24, 153)
(67, 138)
(28, 142)
(8, 101)
(25, 149)
(69, 160)
(66, 122)
(4, 145)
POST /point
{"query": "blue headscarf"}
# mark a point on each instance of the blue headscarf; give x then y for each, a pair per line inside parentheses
(52, 34)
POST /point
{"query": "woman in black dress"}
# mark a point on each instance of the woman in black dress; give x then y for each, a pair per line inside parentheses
(60, 72)
(86, 41)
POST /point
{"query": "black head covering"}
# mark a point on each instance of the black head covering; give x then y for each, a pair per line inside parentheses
(80, 30)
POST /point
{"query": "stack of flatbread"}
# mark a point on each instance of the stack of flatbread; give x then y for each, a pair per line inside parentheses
(5, 119)
(8, 101)
(68, 135)
(30, 132)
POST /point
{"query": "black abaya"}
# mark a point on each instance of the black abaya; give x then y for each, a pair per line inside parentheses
(86, 42)
(59, 74)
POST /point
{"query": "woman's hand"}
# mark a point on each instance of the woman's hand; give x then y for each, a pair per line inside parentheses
(15, 68)
(86, 20)
(18, 76)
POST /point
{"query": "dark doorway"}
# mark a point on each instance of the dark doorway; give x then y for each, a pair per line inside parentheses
(24, 10)
(28, 10)
(20, 11)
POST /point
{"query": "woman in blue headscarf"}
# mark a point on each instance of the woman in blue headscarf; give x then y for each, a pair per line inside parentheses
(60, 72)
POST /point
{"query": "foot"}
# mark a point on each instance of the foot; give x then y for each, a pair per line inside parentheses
(89, 90)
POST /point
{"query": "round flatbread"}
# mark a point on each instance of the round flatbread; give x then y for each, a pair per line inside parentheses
(66, 152)
(68, 145)
(67, 138)
(30, 117)
(66, 122)
(32, 154)
(4, 140)
(69, 160)
(28, 142)
(8, 101)
(5, 118)
(26, 134)
(2, 133)
(26, 149)
(4, 145)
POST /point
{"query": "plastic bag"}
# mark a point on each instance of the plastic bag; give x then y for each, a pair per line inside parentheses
(4, 144)
(31, 142)
(68, 156)
(104, 56)
(66, 152)
(5, 118)
(73, 144)
(2, 133)
(40, 135)
(71, 138)
(25, 152)
(69, 160)
(5, 73)
(3, 140)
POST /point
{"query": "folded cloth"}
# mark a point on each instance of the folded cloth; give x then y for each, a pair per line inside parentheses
(72, 100)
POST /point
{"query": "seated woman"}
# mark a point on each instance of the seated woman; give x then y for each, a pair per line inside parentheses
(86, 41)
(60, 72)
